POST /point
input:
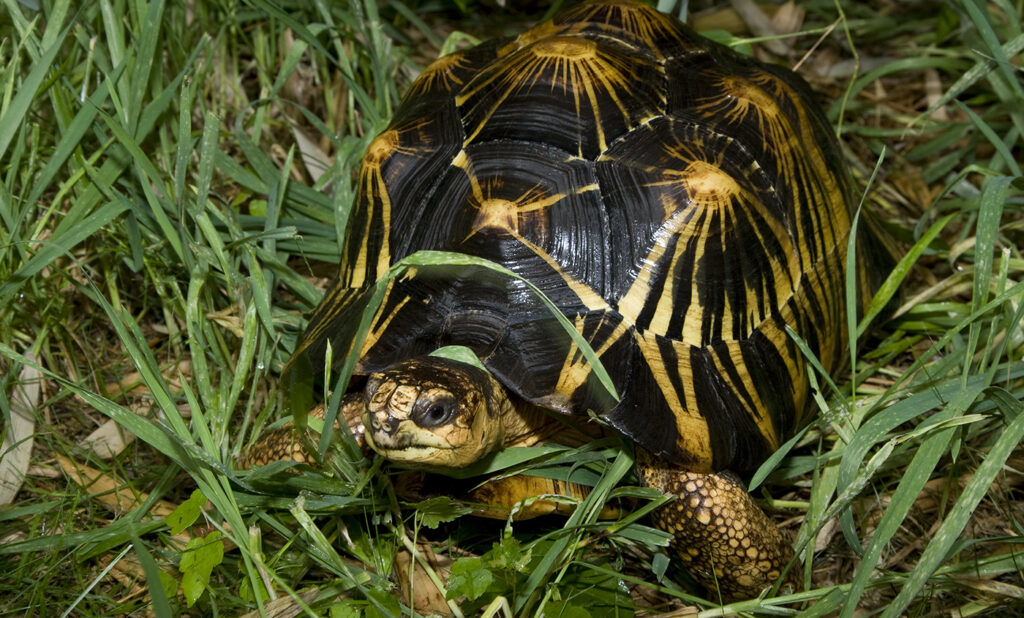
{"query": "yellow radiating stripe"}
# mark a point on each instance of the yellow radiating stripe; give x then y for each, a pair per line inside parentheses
(748, 102)
(691, 428)
(514, 70)
(635, 299)
(575, 368)
(796, 366)
(706, 182)
(641, 21)
(439, 75)
(530, 37)
(580, 78)
(375, 189)
(745, 384)
(357, 271)
(526, 203)
(833, 306)
(587, 188)
(378, 326)
(462, 162)
(499, 213)
(801, 167)
(384, 258)
(696, 312)
(329, 308)
(666, 302)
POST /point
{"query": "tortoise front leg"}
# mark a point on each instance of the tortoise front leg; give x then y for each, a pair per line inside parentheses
(285, 443)
(724, 539)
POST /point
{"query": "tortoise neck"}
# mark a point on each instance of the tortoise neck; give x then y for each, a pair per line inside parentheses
(525, 424)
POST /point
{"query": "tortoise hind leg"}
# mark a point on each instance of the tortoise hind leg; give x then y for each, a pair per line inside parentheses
(722, 537)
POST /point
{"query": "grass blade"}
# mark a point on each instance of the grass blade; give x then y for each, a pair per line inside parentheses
(910, 485)
(20, 105)
(949, 533)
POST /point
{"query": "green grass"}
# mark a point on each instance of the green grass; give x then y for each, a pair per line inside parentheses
(173, 179)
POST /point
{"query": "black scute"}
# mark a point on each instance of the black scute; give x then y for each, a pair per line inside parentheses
(768, 371)
(566, 224)
(456, 71)
(430, 133)
(643, 414)
(643, 190)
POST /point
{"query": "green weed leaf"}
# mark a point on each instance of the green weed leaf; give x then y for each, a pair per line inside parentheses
(346, 610)
(565, 609)
(468, 577)
(509, 556)
(197, 562)
(187, 512)
(383, 604)
(438, 510)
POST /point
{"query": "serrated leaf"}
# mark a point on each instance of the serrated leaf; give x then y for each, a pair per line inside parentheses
(508, 555)
(439, 510)
(469, 577)
(201, 555)
(383, 604)
(187, 512)
(344, 610)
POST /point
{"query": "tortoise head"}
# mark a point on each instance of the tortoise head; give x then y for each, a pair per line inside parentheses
(432, 411)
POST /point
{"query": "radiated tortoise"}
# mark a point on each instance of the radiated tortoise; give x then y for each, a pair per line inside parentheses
(679, 204)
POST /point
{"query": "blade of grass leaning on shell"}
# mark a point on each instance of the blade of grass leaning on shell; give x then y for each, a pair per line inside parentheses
(448, 259)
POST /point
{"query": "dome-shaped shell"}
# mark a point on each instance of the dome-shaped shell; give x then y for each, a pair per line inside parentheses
(680, 204)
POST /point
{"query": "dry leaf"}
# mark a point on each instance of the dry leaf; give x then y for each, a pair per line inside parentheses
(416, 586)
(17, 447)
(761, 25)
(110, 491)
(285, 607)
(316, 160)
(789, 18)
(108, 440)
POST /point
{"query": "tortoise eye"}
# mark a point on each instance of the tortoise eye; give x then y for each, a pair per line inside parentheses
(434, 412)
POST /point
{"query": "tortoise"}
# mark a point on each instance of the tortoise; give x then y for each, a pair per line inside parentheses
(681, 206)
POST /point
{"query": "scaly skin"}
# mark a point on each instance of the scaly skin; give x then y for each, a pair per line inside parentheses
(722, 537)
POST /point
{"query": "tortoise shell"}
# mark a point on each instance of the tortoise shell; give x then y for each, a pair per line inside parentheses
(679, 203)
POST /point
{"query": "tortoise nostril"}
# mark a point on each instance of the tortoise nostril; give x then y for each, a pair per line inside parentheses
(390, 425)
